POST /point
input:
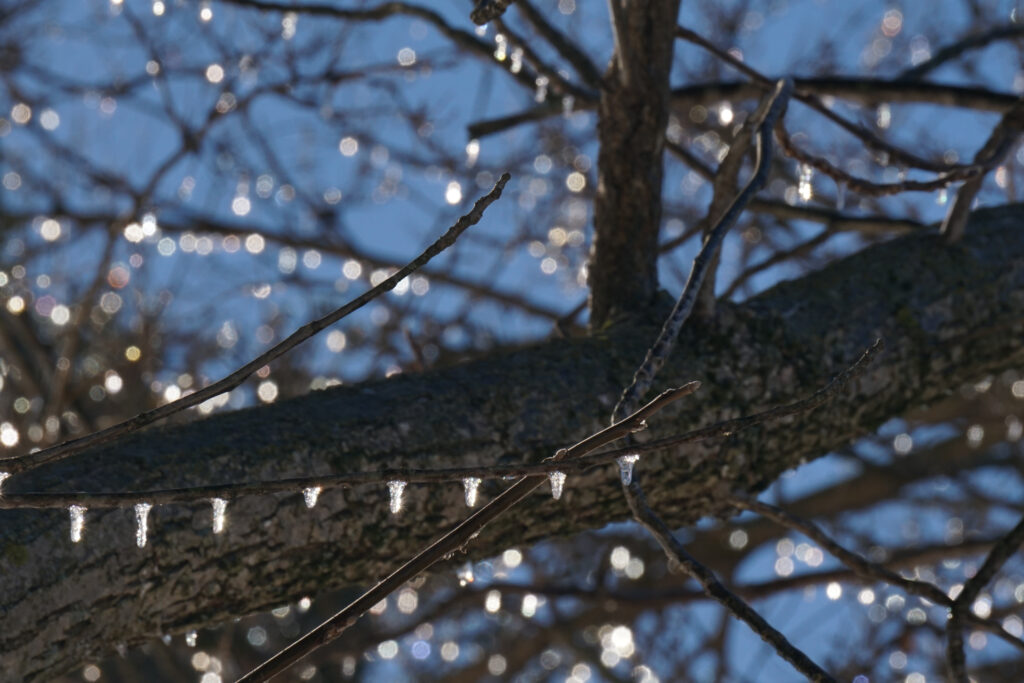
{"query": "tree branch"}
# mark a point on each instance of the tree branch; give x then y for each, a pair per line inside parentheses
(947, 317)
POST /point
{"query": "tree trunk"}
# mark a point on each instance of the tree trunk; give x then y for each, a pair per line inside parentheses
(948, 315)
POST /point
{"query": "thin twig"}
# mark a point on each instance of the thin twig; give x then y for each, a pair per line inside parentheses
(992, 153)
(771, 111)
(453, 540)
(69, 448)
(859, 565)
(806, 96)
(712, 586)
(997, 557)
(956, 49)
(489, 10)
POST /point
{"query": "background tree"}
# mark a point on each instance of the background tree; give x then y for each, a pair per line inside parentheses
(185, 184)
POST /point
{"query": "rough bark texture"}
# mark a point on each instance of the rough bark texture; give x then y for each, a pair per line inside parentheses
(632, 114)
(948, 315)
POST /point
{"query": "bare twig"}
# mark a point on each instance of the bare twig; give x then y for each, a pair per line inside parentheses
(1000, 553)
(958, 48)
(998, 145)
(712, 586)
(859, 565)
(69, 448)
(891, 151)
(566, 47)
(770, 113)
(489, 10)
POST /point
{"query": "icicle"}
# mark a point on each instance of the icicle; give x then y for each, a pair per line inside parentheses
(465, 573)
(77, 513)
(517, 60)
(395, 488)
(805, 190)
(219, 506)
(310, 495)
(4, 476)
(481, 30)
(557, 481)
(943, 197)
(626, 463)
(568, 104)
(471, 484)
(141, 523)
(542, 89)
(190, 637)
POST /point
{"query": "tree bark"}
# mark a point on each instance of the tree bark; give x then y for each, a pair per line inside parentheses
(631, 117)
(948, 315)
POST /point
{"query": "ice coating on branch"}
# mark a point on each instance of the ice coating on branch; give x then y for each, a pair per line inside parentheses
(557, 481)
(219, 506)
(190, 638)
(626, 463)
(4, 476)
(471, 484)
(395, 489)
(77, 513)
(141, 523)
(311, 494)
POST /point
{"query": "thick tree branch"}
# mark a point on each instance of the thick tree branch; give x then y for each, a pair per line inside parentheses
(632, 115)
(948, 315)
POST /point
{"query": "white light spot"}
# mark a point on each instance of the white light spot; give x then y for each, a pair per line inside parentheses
(406, 56)
(241, 206)
(453, 193)
(348, 146)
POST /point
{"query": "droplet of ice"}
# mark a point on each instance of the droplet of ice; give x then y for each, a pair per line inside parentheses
(395, 489)
(190, 637)
(626, 463)
(465, 573)
(471, 484)
(141, 523)
(77, 513)
(219, 506)
(557, 481)
(311, 494)
(805, 189)
(4, 476)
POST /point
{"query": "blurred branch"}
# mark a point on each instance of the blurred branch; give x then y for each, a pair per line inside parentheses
(28, 461)
(682, 560)
(960, 47)
(489, 10)
(1000, 143)
(569, 50)
(964, 602)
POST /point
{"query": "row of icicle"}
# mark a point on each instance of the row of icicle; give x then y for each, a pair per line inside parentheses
(310, 495)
